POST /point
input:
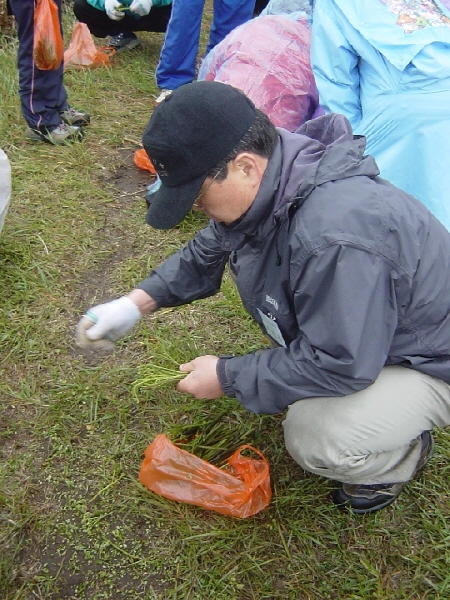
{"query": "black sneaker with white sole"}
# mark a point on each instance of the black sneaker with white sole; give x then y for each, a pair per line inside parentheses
(123, 41)
(363, 499)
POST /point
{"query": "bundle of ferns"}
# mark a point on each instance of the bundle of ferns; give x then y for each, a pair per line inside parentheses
(213, 440)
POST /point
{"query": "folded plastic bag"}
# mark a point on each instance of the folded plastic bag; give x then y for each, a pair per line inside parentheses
(241, 489)
(142, 161)
(82, 53)
(268, 58)
(48, 45)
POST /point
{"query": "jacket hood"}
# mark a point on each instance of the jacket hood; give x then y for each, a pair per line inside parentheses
(323, 149)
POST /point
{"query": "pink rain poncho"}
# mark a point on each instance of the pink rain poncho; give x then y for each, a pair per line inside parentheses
(268, 59)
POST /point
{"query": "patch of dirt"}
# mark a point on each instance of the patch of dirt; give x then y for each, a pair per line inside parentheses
(131, 184)
(77, 571)
(130, 180)
(80, 570)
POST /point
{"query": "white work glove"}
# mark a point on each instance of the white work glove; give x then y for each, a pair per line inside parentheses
(141, 7)
(111, 7)
(107, 322)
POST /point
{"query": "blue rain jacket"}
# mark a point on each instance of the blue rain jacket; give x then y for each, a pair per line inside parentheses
(394, 87)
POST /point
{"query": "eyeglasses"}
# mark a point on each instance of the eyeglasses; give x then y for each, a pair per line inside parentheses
(203, 192)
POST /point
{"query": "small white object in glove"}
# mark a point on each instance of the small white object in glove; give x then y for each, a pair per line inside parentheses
(111, 7)
(107, 322)
(141, 7)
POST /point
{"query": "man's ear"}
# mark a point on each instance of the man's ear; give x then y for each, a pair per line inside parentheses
(251, 165)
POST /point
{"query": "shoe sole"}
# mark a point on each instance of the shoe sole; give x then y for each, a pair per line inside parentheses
(366, 511)
(346, 505)
(79, 123)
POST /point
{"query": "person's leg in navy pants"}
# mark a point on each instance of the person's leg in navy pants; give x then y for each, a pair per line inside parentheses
(42, 93)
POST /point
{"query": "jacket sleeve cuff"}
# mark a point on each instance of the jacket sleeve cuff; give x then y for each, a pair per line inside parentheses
(155, 288)
(222, 376)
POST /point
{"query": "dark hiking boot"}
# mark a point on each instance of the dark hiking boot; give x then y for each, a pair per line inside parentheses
(363, 499)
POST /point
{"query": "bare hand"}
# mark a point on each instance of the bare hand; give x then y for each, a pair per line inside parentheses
(202, 381)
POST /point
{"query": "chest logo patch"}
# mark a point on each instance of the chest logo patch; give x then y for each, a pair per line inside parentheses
(272, 301)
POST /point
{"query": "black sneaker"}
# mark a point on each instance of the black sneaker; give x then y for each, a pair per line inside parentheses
(369, 498)
(123, 41)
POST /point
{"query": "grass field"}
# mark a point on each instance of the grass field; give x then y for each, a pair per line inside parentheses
(75, 522)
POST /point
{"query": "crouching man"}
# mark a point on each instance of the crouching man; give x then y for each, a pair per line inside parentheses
(346, 274)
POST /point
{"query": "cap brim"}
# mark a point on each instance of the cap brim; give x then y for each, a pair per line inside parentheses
(169, 205)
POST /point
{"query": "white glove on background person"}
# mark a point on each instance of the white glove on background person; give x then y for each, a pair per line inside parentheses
(111, 10)
(107, 322)
(141, 7)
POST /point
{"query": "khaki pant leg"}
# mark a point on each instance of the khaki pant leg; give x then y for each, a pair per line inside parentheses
(370, 436)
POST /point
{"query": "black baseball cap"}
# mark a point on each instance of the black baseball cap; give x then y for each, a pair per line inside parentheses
(189, 133)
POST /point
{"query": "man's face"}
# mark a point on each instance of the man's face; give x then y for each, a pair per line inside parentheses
(227, 200)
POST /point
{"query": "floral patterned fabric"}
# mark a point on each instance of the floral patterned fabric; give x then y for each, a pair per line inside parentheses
(416, 14)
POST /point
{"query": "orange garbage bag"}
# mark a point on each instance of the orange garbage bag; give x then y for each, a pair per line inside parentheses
(82, 52)
(48, 45)
(142, 161)
(241, 489)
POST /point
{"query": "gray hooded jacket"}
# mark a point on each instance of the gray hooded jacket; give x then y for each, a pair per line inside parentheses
(345, 273)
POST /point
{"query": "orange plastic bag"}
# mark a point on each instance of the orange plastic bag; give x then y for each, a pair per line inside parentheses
(48, 45)
(240, 490)
(142, 161)
(82, 53)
